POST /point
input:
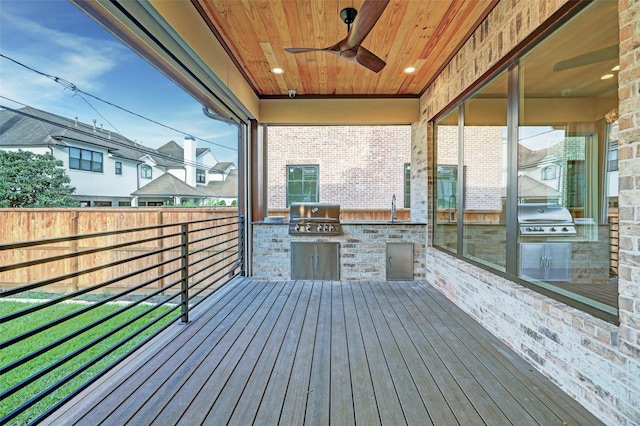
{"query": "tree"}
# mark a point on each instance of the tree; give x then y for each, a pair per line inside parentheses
(33, 180)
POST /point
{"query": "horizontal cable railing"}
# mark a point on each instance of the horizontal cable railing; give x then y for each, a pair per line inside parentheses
(73, 307)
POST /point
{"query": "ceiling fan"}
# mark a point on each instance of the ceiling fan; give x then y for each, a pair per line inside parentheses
(349, 47)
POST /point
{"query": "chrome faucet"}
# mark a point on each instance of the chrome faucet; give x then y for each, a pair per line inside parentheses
(453, 207)
(393, 208)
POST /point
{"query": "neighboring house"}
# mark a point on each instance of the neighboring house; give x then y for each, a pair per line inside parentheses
(223, 190)
(103, 166)
(106, 168)
(173, 160)
(221, 171)
(168, 189)
(541, 176)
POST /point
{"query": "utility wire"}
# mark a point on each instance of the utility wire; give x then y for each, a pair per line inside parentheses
(68, 85)
(96, 134)
(98, 112)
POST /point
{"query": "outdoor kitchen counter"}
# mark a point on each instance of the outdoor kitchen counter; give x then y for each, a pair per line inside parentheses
(380, 222)
(362, 248)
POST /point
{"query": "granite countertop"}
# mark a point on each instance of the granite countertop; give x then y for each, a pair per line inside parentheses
(350, 222)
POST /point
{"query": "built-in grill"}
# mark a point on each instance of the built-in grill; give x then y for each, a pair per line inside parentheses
(545, 220)
(314, 219)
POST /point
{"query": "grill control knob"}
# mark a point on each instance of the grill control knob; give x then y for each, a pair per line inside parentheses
(297, 227)
(326, 228)
(308, 228)
(319, 228)
(552, 229)
(330, 228)
(565, 230)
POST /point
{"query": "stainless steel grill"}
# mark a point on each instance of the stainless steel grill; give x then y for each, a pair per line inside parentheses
(314, 219)
(542, 219)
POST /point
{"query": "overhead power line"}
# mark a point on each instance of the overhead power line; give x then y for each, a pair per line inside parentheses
(131, 145)
(68, 85)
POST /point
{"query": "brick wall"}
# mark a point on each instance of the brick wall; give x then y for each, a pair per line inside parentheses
(360, 166)
(595, 362)
(629, 198)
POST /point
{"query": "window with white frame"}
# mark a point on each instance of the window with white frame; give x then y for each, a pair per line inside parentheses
(201, 176)
(146, 172)
(84, 159)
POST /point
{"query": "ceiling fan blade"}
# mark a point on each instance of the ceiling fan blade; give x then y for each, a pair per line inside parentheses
(369, 60)
(304, 49)
(599, 55)
(365, 20)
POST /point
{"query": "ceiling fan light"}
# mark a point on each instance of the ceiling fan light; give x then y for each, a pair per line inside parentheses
(277, 70)
(606, 77)
(410, 70)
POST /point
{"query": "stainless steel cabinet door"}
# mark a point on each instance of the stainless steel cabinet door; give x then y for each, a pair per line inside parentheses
(559, 262)
(545, 261)
(303, 261)
(327, 261)
(315, 261)
(399, 261)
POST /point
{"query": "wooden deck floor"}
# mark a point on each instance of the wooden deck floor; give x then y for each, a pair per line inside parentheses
(324, 353)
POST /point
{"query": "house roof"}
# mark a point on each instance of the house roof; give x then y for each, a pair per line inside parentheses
(222, 167)
(227, 188)
(168, 185)
(531, 188)
(173, 155)
(30, 127)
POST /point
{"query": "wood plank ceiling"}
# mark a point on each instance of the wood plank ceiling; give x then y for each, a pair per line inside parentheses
(421, 33)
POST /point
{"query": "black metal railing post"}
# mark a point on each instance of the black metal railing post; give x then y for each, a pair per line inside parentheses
(184, 255)
(241, 245)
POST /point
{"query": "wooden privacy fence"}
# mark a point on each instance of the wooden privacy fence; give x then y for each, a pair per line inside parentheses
(21, 225)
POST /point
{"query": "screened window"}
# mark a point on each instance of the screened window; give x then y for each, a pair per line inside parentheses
(84, 159)
(407, 186)
(447, 186)
(146, 172)
(445, 230)
(531, 144)
(118, 168)
(549, 173)
(201, 176)
(302, 184)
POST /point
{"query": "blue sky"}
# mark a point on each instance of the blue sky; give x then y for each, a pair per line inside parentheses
(56, 38)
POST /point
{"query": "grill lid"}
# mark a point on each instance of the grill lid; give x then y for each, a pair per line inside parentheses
(314, 219)
(545, 220)
(314, 212)
(543, 213)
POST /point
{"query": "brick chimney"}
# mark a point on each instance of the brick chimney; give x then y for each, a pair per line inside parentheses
(190, 160)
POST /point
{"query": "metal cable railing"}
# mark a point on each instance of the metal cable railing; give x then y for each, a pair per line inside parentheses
(71, 311)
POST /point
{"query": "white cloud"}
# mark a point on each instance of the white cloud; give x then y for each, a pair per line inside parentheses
(75, 59)
(59, 40)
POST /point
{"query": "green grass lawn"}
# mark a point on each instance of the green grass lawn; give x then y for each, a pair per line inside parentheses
(33, 343)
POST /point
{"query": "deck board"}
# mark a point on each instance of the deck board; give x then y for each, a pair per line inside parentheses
(325, 353)
(295, 399)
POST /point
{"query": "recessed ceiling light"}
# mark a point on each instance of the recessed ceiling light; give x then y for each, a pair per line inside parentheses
(409, 70)
(277, 70)
(616, 68)
(606, 76)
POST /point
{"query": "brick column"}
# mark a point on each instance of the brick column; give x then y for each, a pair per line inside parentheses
(629, 159)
